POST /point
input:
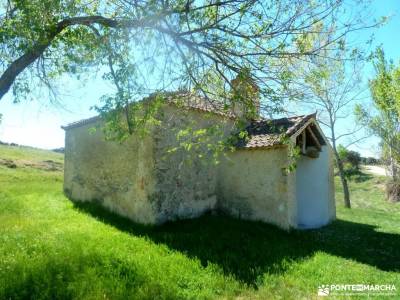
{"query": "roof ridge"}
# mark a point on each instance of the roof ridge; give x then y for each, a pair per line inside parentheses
(191, 100)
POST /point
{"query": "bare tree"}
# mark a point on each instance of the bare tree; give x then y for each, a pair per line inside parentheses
(333, 87)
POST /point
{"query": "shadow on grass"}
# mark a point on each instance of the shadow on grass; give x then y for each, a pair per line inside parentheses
(247, 249)
(361, 177)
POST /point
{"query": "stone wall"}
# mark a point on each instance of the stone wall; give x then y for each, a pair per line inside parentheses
(253, 185)
(185, 183)
(152, 179)
(119, 176)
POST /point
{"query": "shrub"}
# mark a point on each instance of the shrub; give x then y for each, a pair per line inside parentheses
(349, 157)
(350, 170)
(393, 190)
(372, 161)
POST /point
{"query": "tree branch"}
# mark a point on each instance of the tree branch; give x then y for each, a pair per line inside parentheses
(32, 54)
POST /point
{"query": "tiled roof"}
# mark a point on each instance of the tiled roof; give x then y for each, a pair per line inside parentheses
(268, 133)
(185, 100)
(262, 133)
(193, 101)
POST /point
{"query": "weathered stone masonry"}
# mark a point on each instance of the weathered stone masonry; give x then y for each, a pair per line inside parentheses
(141, 180)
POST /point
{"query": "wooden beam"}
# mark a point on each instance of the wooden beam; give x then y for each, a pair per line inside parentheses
(300, 130)
(317, 143)
(303, 146)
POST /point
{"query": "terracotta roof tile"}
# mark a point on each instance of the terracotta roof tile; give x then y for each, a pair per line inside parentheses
(268, 133)
(193, 101)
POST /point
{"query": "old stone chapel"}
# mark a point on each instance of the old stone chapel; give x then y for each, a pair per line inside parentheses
(137, 180)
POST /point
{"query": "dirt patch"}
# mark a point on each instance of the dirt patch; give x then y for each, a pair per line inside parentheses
(377, 170)
(51, 165)
(46, 165)
(8, 163)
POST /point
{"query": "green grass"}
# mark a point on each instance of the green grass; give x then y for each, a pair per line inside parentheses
(51, 248)
(28, 153)
(368, 200)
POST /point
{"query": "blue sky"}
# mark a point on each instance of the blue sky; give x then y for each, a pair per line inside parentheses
(37, 123)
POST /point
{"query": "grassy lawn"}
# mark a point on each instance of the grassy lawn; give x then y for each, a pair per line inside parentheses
(51, 248)
(28, 153)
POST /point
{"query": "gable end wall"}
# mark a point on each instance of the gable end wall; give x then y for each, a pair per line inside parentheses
(118, 176)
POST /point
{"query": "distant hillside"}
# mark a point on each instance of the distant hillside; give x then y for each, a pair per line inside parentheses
(59, 150)
(15, 156)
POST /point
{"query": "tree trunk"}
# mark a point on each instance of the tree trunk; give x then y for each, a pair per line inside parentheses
(392, 165)
(343, 179)
(339, 162)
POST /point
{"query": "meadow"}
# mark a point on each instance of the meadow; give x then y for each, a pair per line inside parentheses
(51, 248)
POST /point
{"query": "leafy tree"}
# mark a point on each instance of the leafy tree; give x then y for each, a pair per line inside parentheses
(350, 156)
(147, 47)
(385, 121)
(371, 161)
(351, 161)
(154, 45)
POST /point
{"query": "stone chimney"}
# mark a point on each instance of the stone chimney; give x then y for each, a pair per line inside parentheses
(245, 96)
